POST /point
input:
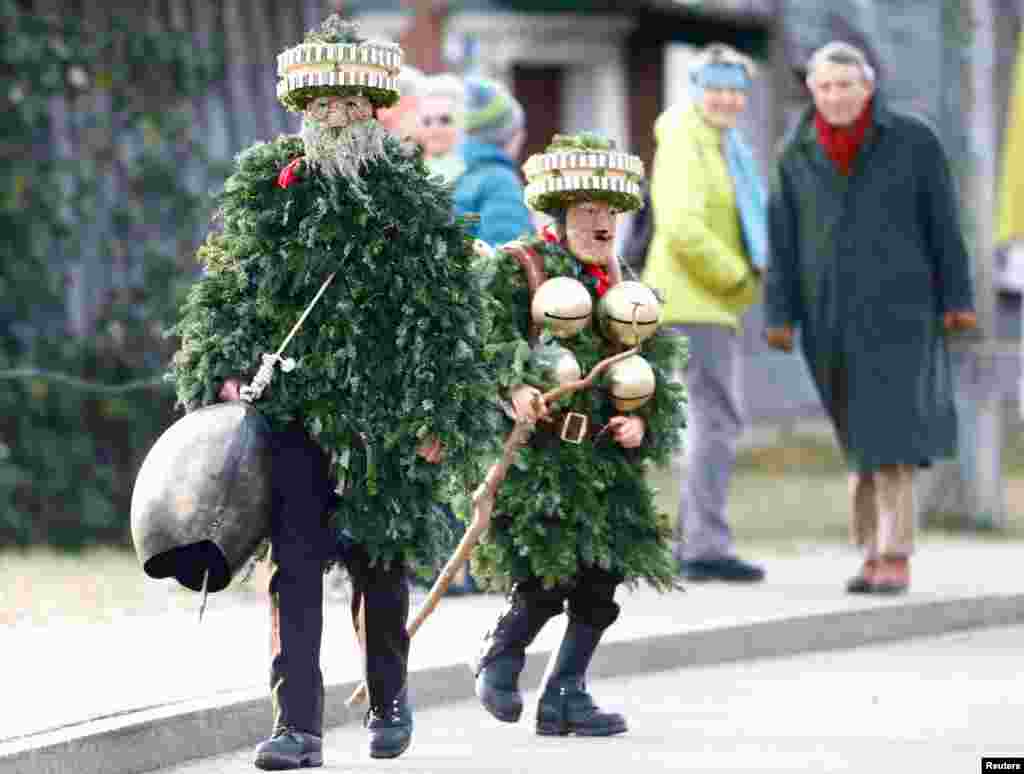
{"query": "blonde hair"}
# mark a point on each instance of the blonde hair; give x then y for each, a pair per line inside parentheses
(841, 53)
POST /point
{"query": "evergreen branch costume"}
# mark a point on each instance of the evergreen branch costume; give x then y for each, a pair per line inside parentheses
(564, 505)
(378, 368)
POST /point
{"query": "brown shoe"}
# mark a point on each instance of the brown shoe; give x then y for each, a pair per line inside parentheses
(892, 575)
(863, 582)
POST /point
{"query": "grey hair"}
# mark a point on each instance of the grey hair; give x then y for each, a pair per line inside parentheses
(841, 53)
(446, 85)
(410, 80)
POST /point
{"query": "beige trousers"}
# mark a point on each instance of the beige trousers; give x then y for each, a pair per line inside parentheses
(883, 511)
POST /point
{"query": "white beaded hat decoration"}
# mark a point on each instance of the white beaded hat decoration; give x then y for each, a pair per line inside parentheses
(583, 167)
(335, 60)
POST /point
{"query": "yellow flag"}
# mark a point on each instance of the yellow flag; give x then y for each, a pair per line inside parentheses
(1011, 188)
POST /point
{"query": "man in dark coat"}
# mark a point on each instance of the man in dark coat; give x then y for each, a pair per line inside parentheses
(869, 264)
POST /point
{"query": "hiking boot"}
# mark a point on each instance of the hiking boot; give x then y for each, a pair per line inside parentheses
(289, 749)
(390, 728)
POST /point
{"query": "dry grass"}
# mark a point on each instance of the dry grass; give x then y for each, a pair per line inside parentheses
(795, 492)
(40, 585)
(785, 495)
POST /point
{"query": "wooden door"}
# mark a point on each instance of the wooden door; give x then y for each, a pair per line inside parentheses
(539, 89)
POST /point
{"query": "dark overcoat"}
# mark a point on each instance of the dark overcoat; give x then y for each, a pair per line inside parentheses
(864, 266)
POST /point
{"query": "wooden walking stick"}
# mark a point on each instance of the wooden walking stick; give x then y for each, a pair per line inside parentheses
(483, 505)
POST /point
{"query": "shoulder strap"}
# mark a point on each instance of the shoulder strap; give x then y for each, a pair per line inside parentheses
(532, 263)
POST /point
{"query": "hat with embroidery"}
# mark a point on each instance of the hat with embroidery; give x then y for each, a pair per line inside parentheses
(583, 167)
(335, 60)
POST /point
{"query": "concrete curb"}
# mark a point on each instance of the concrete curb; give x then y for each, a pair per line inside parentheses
(165, 736)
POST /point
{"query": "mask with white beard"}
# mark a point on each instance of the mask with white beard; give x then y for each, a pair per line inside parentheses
(341, 137)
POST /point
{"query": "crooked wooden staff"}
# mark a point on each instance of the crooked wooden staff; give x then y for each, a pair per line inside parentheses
(485, 494)
(483, 505)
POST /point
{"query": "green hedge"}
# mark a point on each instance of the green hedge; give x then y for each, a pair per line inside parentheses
(69, 445)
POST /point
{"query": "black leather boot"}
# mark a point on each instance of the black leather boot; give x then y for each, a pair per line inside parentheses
(390, 727)
(289, 749)
(504, 652)
(565, 707)
(384, 595)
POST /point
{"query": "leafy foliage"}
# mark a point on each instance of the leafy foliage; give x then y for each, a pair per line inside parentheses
(335, 29)
(296, 100)
(564, 505)
(555, 201)
(584, 141)
(392, 354)
(67, 455)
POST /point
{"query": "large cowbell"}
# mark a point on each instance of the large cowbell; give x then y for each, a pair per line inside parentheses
(202, 499)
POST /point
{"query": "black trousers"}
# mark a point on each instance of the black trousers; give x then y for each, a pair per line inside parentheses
(302, 543)
(589, 599)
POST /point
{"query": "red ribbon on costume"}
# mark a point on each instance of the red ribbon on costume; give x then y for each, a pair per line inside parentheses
(603, 281)
(288, 175)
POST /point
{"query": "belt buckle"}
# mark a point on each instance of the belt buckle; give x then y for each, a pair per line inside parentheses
(581, 423)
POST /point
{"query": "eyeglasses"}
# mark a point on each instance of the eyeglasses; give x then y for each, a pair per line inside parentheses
(445, 119)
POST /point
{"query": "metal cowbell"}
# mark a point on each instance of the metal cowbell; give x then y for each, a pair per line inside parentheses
(202, 499)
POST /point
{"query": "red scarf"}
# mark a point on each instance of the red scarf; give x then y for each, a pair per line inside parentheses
(841, 143)
(595, 271)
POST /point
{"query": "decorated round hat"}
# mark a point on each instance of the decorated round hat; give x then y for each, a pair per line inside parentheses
(583, 167)
(334, 59)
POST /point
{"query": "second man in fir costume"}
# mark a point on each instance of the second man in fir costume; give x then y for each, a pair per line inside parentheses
(576, 517)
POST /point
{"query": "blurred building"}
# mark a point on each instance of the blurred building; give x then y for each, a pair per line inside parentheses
(605, 65)
(575, 64)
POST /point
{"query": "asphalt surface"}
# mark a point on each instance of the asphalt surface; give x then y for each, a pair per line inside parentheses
(152, 691)
(924, 705)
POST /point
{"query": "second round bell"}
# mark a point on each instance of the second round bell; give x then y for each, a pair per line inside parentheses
(630, 383)
(563, 305)
(629, 313)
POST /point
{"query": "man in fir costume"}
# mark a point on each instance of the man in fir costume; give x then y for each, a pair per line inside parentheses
(377, 407)
(575, 517)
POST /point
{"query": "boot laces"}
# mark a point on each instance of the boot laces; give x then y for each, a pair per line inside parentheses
(390, 712)
(291, 731)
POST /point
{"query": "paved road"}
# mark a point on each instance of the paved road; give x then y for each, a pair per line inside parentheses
(931, 705)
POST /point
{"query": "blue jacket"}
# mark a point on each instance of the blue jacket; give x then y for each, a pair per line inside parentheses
(491, 188)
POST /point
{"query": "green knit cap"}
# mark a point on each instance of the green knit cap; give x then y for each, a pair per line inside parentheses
(492, 114)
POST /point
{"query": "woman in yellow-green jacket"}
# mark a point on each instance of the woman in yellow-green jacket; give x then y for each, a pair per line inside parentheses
(706, 255)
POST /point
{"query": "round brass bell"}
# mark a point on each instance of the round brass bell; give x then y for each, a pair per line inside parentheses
(630, 383)
(563, 305)
(629, 313)
(557, 364)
